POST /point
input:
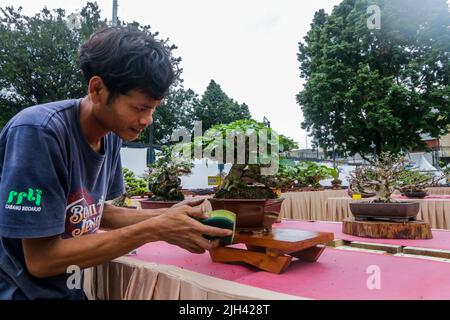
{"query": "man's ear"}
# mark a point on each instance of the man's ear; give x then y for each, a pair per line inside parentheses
(98, 92)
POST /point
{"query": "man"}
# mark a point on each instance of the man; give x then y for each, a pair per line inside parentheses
(60, 162)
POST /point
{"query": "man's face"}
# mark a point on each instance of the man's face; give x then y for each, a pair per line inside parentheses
(129, 114)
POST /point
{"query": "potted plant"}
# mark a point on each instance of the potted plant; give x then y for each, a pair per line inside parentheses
(245, 190)
(134, 187)
(382, 177)
(413, 183)
(164, 181)
(336, 182)
(356, 185)
(311, 173)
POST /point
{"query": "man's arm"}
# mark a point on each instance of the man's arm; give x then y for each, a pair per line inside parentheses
(46, 257)
(117, 217)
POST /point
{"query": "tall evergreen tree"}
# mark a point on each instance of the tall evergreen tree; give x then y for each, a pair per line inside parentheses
(215, 107)
(385, 86)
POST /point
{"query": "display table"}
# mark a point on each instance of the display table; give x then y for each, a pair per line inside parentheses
(308, 205)
(438, 190)
(163, 271)
(433, 209)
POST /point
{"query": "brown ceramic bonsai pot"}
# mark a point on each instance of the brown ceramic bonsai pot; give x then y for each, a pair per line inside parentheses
(273, 205)
(393, 211)
(250, 213)
(151, 204)
(415, 194)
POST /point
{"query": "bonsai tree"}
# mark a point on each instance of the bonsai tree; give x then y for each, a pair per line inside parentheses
(286, 178)
(445, 168)
(383, 176)
(336, 182)
(311, 173)
(134, 186)
(242, 144)
(164, 176)
(415, 181)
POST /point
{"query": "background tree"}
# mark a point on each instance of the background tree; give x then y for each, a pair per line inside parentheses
(385, 85)
(176, 111)
(39, 61)
(287, 143)
(215, 107)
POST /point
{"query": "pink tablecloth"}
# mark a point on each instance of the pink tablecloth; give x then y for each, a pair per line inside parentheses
(441, 238)
(433, 209)
(338, 274)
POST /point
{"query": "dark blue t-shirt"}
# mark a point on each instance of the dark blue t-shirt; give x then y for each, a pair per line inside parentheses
(51, 183)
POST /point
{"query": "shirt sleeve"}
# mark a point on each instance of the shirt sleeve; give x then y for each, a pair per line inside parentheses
(116, 186)
(33, 184)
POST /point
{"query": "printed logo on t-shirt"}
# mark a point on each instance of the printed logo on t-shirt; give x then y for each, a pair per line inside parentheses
(24, 201)
(83, 214)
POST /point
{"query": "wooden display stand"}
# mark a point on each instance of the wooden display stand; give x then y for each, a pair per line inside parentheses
(273, 250)
(387, 230)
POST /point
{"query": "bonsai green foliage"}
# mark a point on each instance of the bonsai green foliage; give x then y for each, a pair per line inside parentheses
(311, 173)
(286, 177)
(245, 170)
(134, 186)
(336, 182)
(383, 176)
(304, 174)
(164, 175)
(415, 181)
(364, 85)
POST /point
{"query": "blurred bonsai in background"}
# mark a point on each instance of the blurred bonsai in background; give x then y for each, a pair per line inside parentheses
(382, 177)
(311, 173)
(415, 181)
(164, 176)
(134, 186)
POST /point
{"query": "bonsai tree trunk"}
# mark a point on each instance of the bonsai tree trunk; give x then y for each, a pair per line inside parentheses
(233, 179)
(234, 186)
(384, 191)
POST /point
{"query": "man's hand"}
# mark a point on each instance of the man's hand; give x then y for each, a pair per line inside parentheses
(188, 202)
(50, 256)
(178, 227)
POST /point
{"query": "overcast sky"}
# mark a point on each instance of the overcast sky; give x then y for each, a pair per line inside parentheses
(249, 47)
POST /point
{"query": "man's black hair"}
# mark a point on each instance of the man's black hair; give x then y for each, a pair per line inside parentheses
(128, 59)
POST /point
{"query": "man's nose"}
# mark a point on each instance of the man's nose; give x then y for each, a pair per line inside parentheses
(146, 120)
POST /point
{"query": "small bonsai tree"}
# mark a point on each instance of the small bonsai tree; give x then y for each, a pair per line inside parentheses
(286, 178)
(311, 173)
(164, 177)
(445, 169)
(134, 186)
(242, 144)
(415, 181)
(383, 176)
(336, 182)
